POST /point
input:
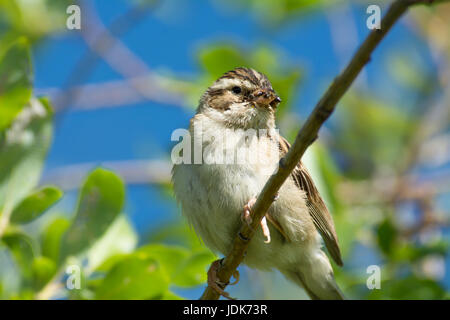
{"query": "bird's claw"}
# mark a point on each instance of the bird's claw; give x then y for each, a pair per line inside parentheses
(265, 230)
(215, 283)
(246, 217)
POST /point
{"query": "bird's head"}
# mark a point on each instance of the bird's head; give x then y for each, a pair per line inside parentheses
(241, 98)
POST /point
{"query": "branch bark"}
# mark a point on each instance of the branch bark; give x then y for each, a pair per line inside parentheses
(307, 135)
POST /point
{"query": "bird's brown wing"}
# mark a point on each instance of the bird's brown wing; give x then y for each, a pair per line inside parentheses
(317, 208)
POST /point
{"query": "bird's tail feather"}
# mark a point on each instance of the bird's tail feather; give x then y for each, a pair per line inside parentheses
(317, 278)
(328, 292)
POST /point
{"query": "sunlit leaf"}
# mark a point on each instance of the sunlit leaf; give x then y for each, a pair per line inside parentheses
(217, 60)
(111, 261)
(35, 204)
(22, 248)
(176, 234)
(25, 294)
(51, 238)
(183, 267)
(100, 202)
(170, 257)
(120, 238)
(15, 81)
(43, 270)
(33, 19)
(22, 151)
(169, 295)
(10, 273)
(273, 13)
(193, 271)
(134, 278)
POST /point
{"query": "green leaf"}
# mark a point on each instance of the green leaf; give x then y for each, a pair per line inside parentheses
(193, 271)
(22, 249)
(51, 238)
(274, 13)
(176, 233)
(410, 288)
(26, 294)
(33, 19)
(120, 238)
(100, 202)
(183, 268)
(111, 261)
(368, 123)
(329, 170)
(15, 81)
(134, 278)
(387, 236)
(43, 269)
(35, 204)
(23, 148)
(170, 257)
(411, 252)
(217, 60)
(10, 273)
(409, 72)
(169, 295)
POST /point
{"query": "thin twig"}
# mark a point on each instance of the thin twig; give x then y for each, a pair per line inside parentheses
(119, 93)
(70, 177)
(85, 66)
(119, 57)
(306, 135)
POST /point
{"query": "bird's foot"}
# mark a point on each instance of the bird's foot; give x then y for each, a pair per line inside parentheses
(215, 283)
(247, 217)
(246, 214)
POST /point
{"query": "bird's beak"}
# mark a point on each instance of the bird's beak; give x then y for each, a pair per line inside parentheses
(265, 98)
(275, 102)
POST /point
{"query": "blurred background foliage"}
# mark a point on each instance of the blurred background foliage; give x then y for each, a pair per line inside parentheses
(89, 206)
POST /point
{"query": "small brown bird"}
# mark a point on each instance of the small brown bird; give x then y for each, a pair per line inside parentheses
(233, 150)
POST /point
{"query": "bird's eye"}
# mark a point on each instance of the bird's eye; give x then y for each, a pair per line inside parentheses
(236, 90)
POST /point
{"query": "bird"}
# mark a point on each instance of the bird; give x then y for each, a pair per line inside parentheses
(226, 156)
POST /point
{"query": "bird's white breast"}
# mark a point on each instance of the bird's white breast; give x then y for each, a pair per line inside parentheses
(213, 195)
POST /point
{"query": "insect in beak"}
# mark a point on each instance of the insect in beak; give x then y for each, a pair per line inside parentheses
(265, 98)
(275, 102)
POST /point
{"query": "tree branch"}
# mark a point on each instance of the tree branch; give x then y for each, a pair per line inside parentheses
(135, 172)
(117, 93)
(104, 41)
(307, 134)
